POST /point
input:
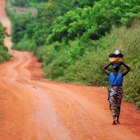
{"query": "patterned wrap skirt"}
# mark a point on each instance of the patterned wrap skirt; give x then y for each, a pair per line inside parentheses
(115, 95)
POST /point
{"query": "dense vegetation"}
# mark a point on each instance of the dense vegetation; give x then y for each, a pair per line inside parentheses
(3, 50)
(25, 3)
(73, 39)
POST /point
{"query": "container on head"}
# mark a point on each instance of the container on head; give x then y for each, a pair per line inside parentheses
(116, 58)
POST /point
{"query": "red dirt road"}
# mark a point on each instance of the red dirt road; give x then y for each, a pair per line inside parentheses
(32, 108)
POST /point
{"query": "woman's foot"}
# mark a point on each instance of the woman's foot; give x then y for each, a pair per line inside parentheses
(118, 120)
(114, 122)
(115, 118)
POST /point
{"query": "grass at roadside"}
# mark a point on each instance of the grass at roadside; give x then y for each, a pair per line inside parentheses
(4, 56)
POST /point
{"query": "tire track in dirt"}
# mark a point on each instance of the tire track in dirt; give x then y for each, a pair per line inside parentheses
(31, 96)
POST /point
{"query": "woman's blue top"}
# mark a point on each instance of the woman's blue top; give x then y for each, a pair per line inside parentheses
(115, 80)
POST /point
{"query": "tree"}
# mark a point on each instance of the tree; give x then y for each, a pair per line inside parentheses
(1, 34)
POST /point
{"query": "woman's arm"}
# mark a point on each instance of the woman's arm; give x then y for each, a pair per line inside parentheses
(105, 69)
(127, 69)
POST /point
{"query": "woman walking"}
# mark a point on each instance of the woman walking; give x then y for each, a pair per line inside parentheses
(115, 92)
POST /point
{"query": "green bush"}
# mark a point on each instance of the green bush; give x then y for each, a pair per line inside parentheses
(1, 34)
(25, 45)
(25, 3)
(4, 56)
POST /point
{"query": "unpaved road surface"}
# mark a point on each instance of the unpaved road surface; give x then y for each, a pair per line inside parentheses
(32, 108)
